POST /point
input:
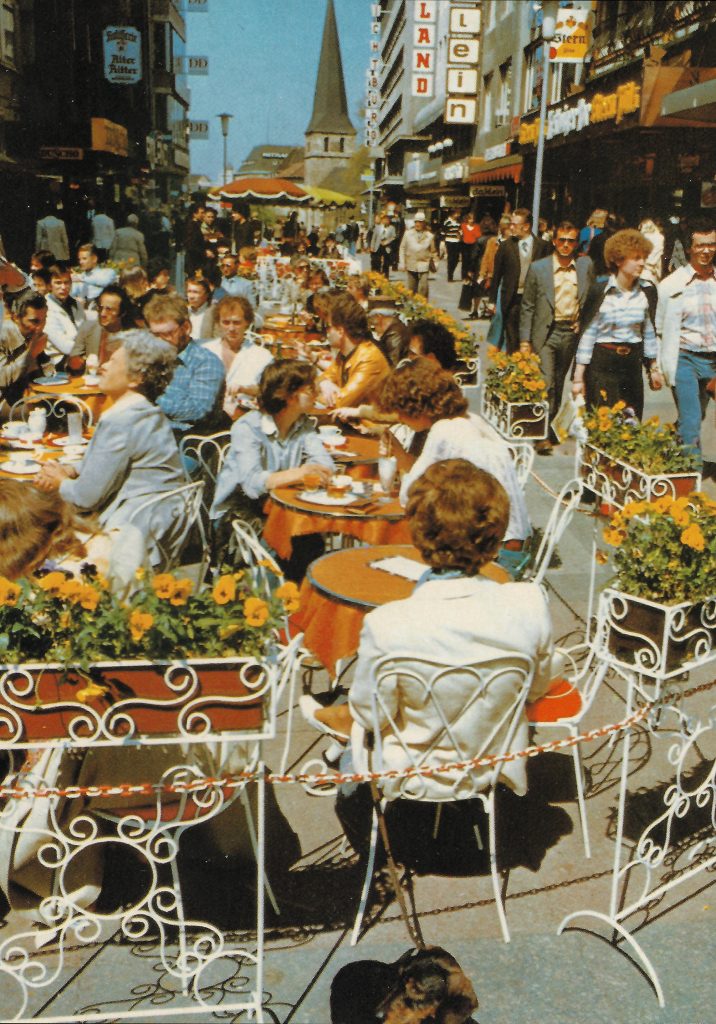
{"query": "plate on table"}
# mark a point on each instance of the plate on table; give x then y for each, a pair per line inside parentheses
(20, 468)
(65, 442)
(334, 440)
(324, 498)
(56, 380)
(70, 458)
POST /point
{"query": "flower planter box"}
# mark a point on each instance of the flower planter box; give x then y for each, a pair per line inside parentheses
(467, 373)
(516, 421)
(659, 640)
(619, 483)
(188, 699)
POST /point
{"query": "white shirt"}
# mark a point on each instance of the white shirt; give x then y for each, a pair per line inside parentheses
(464, 438)
(246, 368)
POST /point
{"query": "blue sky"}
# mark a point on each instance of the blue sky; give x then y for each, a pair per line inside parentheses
(263, 61)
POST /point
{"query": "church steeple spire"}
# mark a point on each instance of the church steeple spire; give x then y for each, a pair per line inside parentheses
(330, 108)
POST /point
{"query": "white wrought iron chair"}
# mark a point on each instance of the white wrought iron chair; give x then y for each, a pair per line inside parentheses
(56, 408)
(249, 551)
(503, 685)
(202, 457)
(186, 514)
(522, 454)
(559, 519)
(566, 705)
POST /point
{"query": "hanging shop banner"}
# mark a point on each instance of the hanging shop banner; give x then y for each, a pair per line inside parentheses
(108, 137)
(198, 129)
(184, 65)
(423, 64)
(122, 54)
(463, 53)
(573, 36)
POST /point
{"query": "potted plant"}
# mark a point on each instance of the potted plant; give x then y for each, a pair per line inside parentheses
(515, 395)
(659, 616)
(80, 662)
(624, 460)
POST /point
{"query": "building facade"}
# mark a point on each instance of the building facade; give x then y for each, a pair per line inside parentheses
(95, 112)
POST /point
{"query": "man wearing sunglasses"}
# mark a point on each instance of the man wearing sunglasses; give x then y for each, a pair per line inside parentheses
(550, 315)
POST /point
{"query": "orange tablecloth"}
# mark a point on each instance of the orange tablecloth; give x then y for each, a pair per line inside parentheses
(288, 516)
(88, 393)
(341, 588)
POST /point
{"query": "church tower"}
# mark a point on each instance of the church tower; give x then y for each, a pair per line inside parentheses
(330, 136)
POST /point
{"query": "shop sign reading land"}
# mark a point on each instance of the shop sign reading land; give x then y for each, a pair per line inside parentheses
(613, 106)
(423, 66)
(122, 54)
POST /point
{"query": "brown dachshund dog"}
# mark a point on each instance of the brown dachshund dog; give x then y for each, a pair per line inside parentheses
(424, 986)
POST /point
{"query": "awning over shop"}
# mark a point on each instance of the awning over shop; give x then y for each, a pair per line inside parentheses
(502, 169)
(695, 104)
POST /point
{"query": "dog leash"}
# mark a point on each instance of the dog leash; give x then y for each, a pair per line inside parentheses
(411, 920)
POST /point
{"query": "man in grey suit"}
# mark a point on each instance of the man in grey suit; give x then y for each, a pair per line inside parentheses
(550, 315)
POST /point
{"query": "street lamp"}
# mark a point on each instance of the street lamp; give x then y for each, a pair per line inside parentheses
(549, 19)
(225, 118)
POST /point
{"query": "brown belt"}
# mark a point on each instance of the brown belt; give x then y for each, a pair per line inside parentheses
(514, 545)
(621, 350)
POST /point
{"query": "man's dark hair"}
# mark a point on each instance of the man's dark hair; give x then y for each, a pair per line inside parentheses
(697, 226)
(45, 257)
(126, 306)
(566, 225)
(437, 340)
(28, 300)
(60, 268)
(282, 379)
(88, 247)
(42, 273)
(524, 213)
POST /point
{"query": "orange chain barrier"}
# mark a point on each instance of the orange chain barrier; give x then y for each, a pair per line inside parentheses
(334, 778)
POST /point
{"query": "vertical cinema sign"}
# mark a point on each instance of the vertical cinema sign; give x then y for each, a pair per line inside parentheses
(424, 31)
(462, 58)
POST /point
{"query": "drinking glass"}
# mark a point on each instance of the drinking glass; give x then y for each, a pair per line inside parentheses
(74, 427)
(387, 469)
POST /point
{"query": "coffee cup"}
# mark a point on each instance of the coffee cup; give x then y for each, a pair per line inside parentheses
(329, 430)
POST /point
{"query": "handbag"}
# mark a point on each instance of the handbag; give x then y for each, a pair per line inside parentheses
(432, 267)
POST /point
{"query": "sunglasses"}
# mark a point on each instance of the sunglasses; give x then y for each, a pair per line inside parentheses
(567, 241)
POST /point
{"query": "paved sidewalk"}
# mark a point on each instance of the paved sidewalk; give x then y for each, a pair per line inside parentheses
(539, 977)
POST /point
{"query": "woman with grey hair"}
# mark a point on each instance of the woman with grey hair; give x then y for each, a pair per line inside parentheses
(133, 454)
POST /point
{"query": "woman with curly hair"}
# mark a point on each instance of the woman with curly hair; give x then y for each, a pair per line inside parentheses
(428, 400)
(620, 340)
(133, 455)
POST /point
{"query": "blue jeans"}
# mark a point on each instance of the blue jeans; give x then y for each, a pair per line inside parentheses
(693, 372)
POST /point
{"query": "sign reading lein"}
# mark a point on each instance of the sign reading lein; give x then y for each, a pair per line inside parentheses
(122, 54)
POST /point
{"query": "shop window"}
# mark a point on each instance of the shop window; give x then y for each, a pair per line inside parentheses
(504, 98)
(8, 31)
(325, 143)
(534, 71)
(487, 102)
(563, 76)
(341, 145)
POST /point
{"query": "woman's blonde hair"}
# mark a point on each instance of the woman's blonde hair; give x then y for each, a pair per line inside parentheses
(36, 526)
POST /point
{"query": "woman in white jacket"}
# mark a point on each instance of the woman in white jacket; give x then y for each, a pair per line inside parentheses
(455, 617)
